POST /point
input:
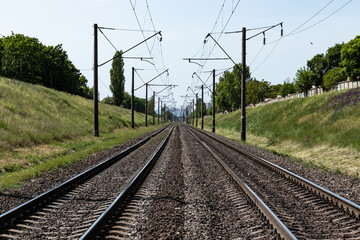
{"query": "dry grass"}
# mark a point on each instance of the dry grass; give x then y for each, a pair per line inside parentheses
(336, 159)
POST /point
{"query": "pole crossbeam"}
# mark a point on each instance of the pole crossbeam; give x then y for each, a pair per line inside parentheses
(131, 48)
(202, 81)
(152, 79)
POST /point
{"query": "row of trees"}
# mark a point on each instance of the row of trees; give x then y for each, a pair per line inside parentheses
(27, 59)
(323, 70)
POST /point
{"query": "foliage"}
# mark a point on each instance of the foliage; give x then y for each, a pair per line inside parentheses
(324, 70)
(318, 67)
(117, 78)
(150, 107)
(108, 100)
(198, 108)
(27, 59)
(333, 76)
(139, 103)
(304, 80)
(209, 111)
(333, 56)
(287, 88)
(350, 58)
(275, 90)
(257, 91)
(228, 90)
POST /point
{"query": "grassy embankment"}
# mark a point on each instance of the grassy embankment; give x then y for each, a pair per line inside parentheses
(42, 129)
(321, 131)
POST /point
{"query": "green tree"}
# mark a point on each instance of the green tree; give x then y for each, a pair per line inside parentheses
(350, 58)
(139, 104)
(275, 90)
(333, 76)
(257, 91)
(26, 59)
(1, 53)
(287, 88)
(223, 96)
(21, 58)
(198, 108)
(333, 56)
(150, 106)
(318, 66)
(126, 101)
(108, 100)
(117, 78)
(304, 79)
(228, 90)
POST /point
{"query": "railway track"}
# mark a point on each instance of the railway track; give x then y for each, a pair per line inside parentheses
(121, 219)
(67, 210)
(188, 189)
(308, 210)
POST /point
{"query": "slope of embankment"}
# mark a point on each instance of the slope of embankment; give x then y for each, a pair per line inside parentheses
(322, 131)
(42, 129)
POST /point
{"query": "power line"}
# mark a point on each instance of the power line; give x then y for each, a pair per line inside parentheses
(257, 55)
(138, 21)
(272, 50)
(294, 31)
(226, 24)
(321, 19)
(147, 5)
(310, 18)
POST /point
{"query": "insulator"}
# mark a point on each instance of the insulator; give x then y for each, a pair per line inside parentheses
(264, 38)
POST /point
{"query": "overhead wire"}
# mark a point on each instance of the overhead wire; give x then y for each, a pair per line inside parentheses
(321, 19)
(293, 32)
(147, 45)
(310, 18)
(223, 29)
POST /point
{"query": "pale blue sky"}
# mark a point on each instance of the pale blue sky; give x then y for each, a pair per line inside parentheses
(184, 25)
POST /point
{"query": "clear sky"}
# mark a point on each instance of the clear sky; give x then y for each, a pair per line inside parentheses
(184, 25)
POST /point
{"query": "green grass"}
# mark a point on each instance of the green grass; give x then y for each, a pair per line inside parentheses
(323, 130)
(42, 129)
(70, 152)
(31, 114)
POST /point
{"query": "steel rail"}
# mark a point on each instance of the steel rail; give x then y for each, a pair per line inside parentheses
(26, 208)
(337, 200)
(95, 229)
(277, 224)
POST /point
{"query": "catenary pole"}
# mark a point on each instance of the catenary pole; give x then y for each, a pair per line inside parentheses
(196, 110)
(146, 104)
(96, 113)
(243, 86)
(153, 107)
(132, 98)
(213, 103)
(202, 105)
(193, 108)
